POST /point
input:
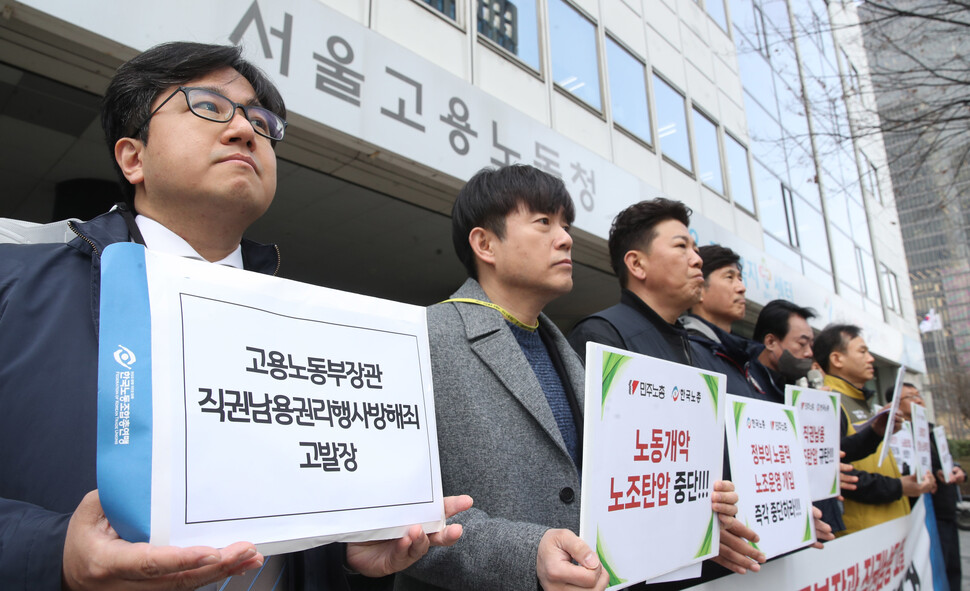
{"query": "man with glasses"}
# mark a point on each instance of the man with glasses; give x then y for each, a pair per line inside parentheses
(195, 176)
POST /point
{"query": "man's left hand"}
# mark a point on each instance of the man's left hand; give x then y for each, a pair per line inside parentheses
(735, 553)
(823, 531)
(384, 557)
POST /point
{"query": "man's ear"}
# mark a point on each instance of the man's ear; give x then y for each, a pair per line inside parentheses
(482, 242)
(835, 360)
(636, 264)
(128, 155)
(770, 341)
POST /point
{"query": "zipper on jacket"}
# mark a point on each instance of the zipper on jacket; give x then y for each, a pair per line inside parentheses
(279, 260)
(84, 238)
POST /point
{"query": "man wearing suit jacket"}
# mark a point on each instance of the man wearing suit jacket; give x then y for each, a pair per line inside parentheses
(509, 395)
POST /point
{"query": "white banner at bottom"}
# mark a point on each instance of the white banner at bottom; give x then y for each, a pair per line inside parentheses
(892, 555)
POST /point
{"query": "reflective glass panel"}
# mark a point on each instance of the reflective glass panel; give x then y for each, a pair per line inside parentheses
(771, 208)
(811, 233)
(514, 26)
(737, 165)
(869, 273)
(715, 8)
(671, 123)
(846, 268)
(628, 91)
(445, 7)
(821, 279)
(708, 154)
(573, 48)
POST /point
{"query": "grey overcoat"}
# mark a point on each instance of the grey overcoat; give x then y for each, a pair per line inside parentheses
(499, 443)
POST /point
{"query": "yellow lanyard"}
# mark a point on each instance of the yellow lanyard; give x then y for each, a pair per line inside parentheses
(500, 309)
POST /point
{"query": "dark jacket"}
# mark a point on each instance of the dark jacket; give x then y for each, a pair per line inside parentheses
(49, 312)
(634, 326)
(714, 349)
(768, 380)
(947, 495)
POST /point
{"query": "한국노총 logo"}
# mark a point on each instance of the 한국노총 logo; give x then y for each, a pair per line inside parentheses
(124, 357)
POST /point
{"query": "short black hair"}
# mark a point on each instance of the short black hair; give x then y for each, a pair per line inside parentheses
(834, 337)
(493, 193)
(138, 82)
(717, 257)
(773, 319)
(891, 390)
(635, 228)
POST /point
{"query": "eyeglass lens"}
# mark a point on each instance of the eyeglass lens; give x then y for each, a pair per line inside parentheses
(215, 107)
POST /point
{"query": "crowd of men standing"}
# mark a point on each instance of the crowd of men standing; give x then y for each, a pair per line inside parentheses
(506, 379)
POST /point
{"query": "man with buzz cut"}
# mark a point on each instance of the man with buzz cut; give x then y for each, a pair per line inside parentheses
(191, 129)
(880, 494)
(661, 276)
(509, 395)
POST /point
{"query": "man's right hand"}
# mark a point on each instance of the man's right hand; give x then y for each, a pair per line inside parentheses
(558, 548)
(95, 557)
(914, 488)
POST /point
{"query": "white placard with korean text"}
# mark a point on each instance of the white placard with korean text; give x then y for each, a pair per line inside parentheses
(237, 406)
(817, 413)
(893, 409)
(943, 448)
(774, 496)
(903, 448)
(921, 441)
(652, 450)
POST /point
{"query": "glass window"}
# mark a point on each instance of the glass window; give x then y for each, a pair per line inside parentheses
(846, 268)
(572, 40)
(445, 7)
(671, 123)
(738, 172)
(875, 182)
(708, 153)
(628, 91)
(870, 289)
(760, 29)
(755, 71)
(859, 224)
(715, 8)
(811, 230)
(817, 276)
(770, 206)
(891, 302)
(513, 26)
(782, 252)
(801, 168)
(789, 204)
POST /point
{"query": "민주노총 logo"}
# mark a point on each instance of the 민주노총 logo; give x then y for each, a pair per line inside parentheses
(125, 357)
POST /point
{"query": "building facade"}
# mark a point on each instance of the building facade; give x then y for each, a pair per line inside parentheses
(918, 67)
(394, 103)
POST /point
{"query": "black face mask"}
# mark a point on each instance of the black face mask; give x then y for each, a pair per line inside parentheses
(793, 369)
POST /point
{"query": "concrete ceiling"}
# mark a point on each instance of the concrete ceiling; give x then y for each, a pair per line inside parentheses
(331, 232)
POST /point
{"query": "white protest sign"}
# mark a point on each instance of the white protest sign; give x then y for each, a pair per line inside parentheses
(236, 406)
(943, 448)
(903, 449)
(652, 449)
(921, 441)
(818, 413)
(774, 496)
(894, 408)
(892, 556)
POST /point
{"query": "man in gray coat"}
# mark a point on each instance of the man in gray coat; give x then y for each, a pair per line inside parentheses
(509, 395)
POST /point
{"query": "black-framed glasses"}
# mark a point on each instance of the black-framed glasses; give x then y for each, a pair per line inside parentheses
(212, 106)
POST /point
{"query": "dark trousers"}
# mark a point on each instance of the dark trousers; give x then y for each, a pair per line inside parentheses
(950, 541)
